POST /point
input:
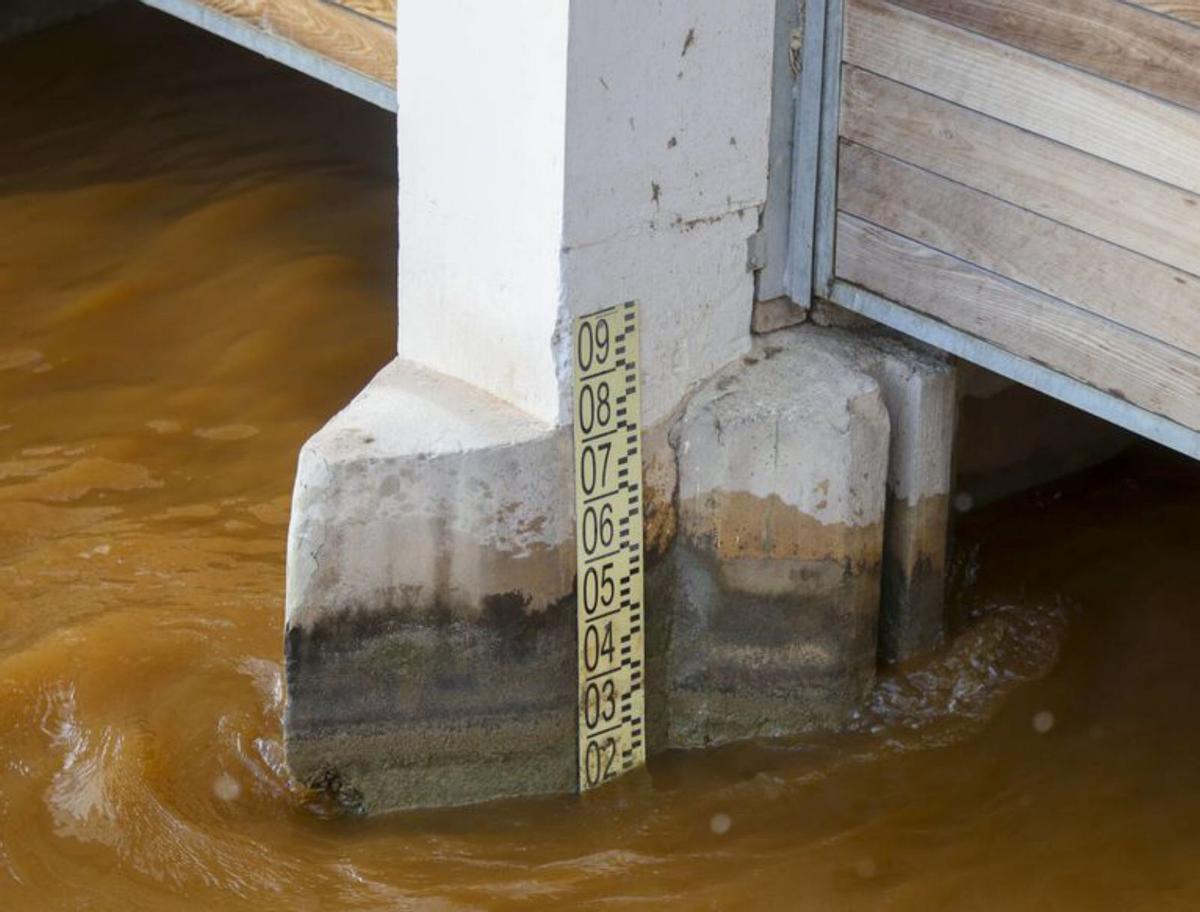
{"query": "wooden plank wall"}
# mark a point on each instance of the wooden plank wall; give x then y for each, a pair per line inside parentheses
(1028, 172)
(357, 34)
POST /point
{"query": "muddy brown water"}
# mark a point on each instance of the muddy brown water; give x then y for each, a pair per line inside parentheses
(196, 269)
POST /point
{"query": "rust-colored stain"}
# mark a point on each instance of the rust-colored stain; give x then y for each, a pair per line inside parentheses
(737, 524)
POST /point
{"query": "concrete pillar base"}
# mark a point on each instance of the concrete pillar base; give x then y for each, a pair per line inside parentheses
(431, 654)
(782, 467)
(430, 613)
(431, 608)
(430, 634)
(919, 390)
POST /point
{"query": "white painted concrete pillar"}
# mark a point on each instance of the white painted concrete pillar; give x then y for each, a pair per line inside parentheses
(559, 157)
(482, 103)
(556, 157)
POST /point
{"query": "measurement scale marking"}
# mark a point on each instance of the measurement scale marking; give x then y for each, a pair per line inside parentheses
(600, 617)
(598, 374)
(608, 544)
(607, 494)
(600, 557)
(604, 674)
(596, 437)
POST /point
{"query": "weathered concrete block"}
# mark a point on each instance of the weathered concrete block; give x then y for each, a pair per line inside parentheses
(431, 653)
(919, 391)
(431, 609)
(782, 468)
(430, 612)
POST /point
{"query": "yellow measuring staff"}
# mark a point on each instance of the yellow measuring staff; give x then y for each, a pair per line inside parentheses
(608, 545)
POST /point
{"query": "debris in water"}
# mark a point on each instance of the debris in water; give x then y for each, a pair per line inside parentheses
(226, 787)
(1043, 721)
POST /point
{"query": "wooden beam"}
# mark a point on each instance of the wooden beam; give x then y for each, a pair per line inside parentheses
(1109, 38)
(1031, 325)
(324, 40)
(1053, 180)
(331, 31)
(1062, 262)
(1036, 376)
(379, 10)
(1113, 122)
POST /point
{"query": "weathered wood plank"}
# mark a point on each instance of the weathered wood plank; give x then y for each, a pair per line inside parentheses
(1111, 121)
(1183, 10)
(1048, 178)
(1110, 38)
(1066, 389)
(1062, 262)
(1027, 323)
(379, 10)
(333, 32)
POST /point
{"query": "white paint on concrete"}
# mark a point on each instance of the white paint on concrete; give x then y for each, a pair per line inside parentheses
(695, 296)
(919, 390)
(803, 424)
(668, 124)
(558, 158)
(642, 74)
(481, 114)
(428, 491)
(922, 443)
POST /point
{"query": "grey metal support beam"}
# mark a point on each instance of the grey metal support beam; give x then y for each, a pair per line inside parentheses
(775, 240)
(806, 156)
(826, 204)
(790, 213)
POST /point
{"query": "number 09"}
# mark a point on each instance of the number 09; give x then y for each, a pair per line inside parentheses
(591, 345)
